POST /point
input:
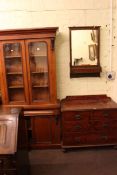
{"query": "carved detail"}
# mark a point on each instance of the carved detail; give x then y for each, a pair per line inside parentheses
(52, 43)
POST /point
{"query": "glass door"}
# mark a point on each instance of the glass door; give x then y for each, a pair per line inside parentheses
(38, 70)
(14, 61)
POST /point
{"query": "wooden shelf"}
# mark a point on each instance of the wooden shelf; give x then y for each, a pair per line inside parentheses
(40, 86)
(44, 72)
(40, 56)
(14, 73)
(17, 56)
(15, 86)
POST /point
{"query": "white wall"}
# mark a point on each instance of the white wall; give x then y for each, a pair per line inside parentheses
(64, 14)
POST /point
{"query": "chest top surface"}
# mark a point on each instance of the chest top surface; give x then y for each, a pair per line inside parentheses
(88, 102)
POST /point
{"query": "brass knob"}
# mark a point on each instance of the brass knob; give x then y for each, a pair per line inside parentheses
(78, 127)
(105, 125)
(104, 137)
(77, 139)
(105, 114)
(78, 117)
(1, 161)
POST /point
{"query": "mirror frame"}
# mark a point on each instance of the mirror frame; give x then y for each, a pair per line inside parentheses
(85, 70)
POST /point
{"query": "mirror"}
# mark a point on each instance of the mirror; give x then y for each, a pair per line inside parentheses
(84, 51)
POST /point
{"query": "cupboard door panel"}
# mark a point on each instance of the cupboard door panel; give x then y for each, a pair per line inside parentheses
(14, 72)
(41, 129)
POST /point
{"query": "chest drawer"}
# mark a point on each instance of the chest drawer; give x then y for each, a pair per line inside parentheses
(102, 138)
(76, 116)
(75, 126)
(74, 139)
(100, 125)
(105, 115)
(89, 139)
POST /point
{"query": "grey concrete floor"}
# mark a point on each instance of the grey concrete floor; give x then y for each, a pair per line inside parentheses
(98, 161)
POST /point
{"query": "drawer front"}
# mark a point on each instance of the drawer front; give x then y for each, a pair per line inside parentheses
(74, 139)
(105, 115)
(100, 125)
(89, 139)
(8, 172)
(75, 116)
(102, 138)
(76, 126)
(7, 163)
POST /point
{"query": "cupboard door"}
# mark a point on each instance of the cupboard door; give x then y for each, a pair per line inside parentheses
(14, 72)
(41, 130)
(45, 131)
(38, 71)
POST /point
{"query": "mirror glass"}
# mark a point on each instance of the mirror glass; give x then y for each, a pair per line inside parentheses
(84, 51)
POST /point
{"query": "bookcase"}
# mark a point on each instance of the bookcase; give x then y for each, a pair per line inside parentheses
(28, 72)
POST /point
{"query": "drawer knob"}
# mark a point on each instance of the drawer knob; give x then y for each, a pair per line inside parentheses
(106, 114)
(77, 139)
(104, 137)
(105, 125)
(78, 127)
(78, 117)
(1, 162)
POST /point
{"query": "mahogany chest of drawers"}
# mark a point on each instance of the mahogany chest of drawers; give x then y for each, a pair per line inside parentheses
(88, 121)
